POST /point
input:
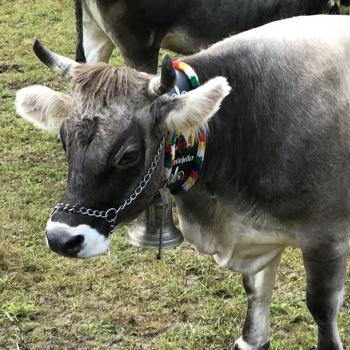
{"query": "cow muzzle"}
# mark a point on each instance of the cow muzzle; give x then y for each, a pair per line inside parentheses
(80, 241)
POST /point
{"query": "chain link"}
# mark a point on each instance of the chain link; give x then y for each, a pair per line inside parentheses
(111, 214)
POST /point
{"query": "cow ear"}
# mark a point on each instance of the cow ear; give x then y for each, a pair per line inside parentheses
(188, 113)
(44, 108)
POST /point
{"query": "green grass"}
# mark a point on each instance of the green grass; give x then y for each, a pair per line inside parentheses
(125, 301)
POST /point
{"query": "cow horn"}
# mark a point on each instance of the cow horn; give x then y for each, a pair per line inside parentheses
(60, 64)
(162, 84)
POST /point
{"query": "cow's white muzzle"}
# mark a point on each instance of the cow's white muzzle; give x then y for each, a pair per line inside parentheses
(81, 241)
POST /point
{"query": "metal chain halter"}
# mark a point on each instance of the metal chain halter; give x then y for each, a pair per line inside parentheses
(111, 214)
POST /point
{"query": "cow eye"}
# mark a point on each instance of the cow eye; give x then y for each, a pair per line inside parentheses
(129, 158)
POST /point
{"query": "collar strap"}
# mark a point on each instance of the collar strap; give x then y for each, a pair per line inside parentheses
(183, 161)
(186, 79)
(190, 73)
(183, 158)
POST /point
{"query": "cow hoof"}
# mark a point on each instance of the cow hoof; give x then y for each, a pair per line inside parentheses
(240, 344)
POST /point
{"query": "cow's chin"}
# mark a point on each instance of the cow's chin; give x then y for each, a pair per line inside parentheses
(80, 241)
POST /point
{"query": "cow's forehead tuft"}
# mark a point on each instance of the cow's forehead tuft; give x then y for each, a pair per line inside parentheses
(102, 84)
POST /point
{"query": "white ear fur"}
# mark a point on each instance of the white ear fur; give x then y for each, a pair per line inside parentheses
(197, 106)
(154, 86)
(44, 108)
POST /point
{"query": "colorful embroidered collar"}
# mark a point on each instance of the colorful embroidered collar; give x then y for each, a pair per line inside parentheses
(183, 158)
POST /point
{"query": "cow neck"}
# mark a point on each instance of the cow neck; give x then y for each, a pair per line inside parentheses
(183, 157)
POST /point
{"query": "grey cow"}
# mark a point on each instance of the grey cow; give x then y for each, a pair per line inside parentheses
(139, 28)
(275, 104)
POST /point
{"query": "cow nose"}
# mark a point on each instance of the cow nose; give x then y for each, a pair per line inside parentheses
(74, 243)
(63, 243)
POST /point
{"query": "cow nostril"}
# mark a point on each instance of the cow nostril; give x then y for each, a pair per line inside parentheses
(74, 242)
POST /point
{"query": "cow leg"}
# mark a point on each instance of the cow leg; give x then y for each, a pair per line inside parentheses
(333, 8)
(98, 47)
(137, 54)
(325, 288)
(259, 288)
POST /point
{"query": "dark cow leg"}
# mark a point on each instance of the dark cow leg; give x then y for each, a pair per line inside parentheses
(255, 335)
(79, 51)
(140, 49)
(325, 288)
(143, 61)
(334, 10)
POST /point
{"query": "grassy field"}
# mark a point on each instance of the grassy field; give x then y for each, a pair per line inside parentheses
(125, 301)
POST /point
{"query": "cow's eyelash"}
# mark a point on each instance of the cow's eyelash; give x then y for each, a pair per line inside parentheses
(116, 156)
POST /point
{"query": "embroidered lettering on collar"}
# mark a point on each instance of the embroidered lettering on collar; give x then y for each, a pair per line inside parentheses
(183, 158)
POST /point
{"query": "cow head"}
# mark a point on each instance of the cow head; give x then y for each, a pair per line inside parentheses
(111, 126)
